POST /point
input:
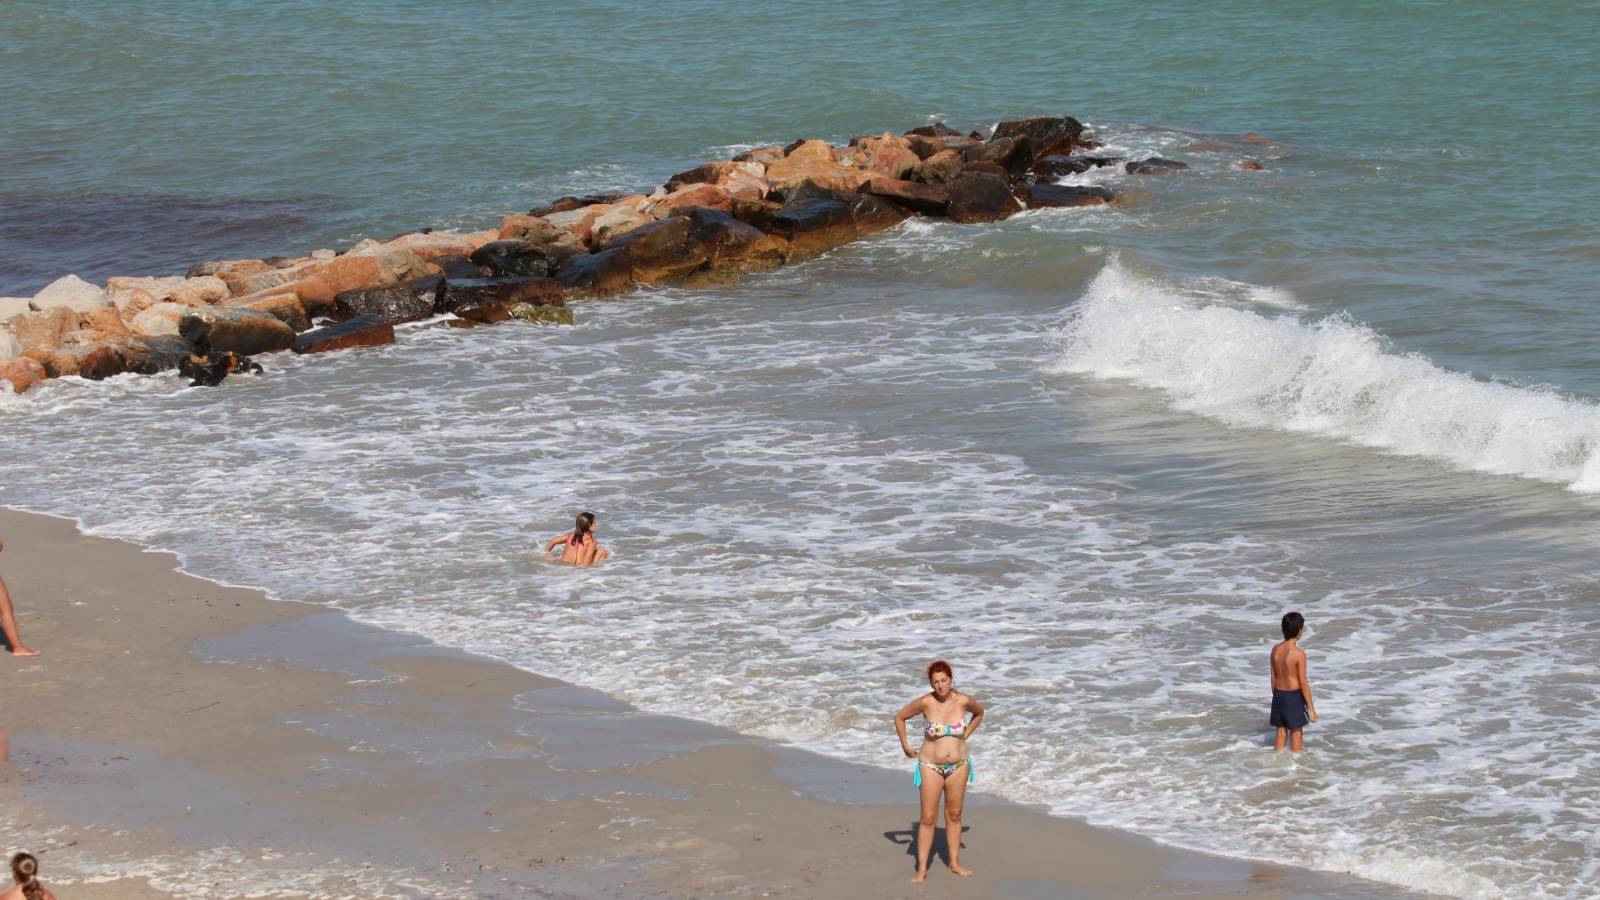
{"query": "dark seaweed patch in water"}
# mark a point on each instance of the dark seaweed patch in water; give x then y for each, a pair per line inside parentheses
(95, 236)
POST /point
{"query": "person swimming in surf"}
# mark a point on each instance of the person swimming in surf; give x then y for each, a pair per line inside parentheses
(943, 766)
(582, 548)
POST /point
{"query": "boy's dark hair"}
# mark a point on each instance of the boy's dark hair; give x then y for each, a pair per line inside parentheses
(1292, 623)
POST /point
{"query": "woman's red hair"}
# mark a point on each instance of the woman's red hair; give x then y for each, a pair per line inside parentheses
(939, 665)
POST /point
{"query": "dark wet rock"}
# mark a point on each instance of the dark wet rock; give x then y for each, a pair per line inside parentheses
(1249, 165)
(457, 295)
(152, 355)
(456, 265)
(407, 301)
(937, 129)
(1058, 165)
(986, 167)
(603, 274)
(927, 199)
(517, 257)
(366, 331)
(757, 213)
(1042, 195)
(729, 243)
(662, 251)
(815, 225)
(567, 204)
(1044, 130)
(242, 331)
(1155, 165)
(528, 312)
(981, 197)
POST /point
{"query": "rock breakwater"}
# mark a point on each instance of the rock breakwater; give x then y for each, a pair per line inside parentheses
(762, 209)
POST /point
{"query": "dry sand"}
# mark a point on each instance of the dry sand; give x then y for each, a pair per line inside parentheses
(179, 738)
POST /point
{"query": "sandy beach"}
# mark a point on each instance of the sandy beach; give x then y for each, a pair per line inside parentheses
(181, 738)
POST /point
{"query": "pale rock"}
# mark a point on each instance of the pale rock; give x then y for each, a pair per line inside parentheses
(10, 347)
(71, 293)
(618, 221)
(323, 255)
(159, 319)
(43, 330)
(14, 306)
(396, 262)
(200, 292)
(132, 301)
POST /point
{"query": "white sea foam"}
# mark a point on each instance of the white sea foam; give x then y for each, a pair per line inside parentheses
(1330, 377)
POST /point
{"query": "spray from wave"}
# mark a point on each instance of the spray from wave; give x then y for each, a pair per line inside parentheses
(1330, 377)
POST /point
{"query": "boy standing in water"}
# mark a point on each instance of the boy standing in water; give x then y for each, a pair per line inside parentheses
(1291, 692)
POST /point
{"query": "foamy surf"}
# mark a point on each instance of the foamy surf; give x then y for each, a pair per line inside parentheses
(1330, 377)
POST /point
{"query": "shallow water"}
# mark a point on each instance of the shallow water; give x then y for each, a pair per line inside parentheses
(1089, 455)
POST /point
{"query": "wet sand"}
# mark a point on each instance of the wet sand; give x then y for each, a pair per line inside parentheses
(181, 738)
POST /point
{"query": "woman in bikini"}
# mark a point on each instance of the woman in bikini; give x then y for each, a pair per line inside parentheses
(582, 548)
(943, 766)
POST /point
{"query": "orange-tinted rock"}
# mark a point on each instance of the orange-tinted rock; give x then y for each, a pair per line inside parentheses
(714, 173)
(1250, 165)
(567, 204)
(813, 161)
(706, 195)
(57, 363)
(890, 155)
(285, 307)
(531, 229)
(360, 332)
(1042, 195)
(44, 329)
(23, 373)
(106, 320)
(981, 197)
(318, 288)
(620, 220)
(763, 155)
(924, 147)
(431, 245)
(197, 292)
(939, 168)
(928, 199)
(100, 363)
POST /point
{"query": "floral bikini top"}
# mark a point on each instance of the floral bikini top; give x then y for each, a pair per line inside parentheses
(936, 730)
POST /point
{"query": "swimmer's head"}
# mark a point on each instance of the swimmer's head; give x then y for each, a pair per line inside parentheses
(940, 678)
(1292, 623)
(23, 869)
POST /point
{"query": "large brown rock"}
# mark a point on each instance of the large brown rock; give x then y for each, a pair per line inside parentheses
(815, 225)
(160, 319)
(604, 274)
(1043, 131)
(58, 362)
(928, 199)
(512, 257)
(1042, 195)
(100, 362)
(327, 280)
(1059, 165)
(285, 307)
(936, 130)
(529, 229)
(728, 243)
(22, 373)
(690, 195)
(152, 355)
(458, 295)
(620, 220)
(940, 168)
(813, 162)
(407, 301)
(396, 261)
(431, 245)
(981, 197)
(764, 155)
(43, 329)
(366, 331)
(662, 251)
(924, 147)
(244, 331)
(714, 172)
(105, 321)
(889, 155)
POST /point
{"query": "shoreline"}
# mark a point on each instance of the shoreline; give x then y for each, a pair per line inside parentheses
(236, 744)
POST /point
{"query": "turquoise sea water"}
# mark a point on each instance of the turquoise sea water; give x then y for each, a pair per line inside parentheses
(1067, 449)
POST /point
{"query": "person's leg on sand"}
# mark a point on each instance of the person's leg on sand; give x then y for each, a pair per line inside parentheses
(955, 795)
(932, 787)
(8, 624)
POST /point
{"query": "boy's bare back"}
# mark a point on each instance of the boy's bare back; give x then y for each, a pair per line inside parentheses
(1288, 665)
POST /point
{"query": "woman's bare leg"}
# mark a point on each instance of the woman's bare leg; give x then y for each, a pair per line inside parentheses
(8, 624)
(932, 785)
(955, 795)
